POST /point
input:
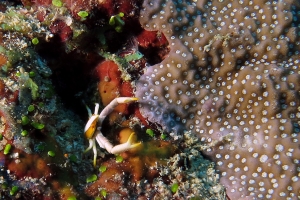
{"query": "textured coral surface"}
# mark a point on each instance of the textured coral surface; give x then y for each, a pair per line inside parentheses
(231, 77)
(59, 57)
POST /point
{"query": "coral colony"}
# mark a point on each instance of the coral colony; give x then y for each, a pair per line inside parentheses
(195, 99)
(231, 77)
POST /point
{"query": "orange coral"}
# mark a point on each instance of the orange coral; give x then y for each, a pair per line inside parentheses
(29, 165)
(3, 60)
(112, 179)
(112, 86)
(110, 81)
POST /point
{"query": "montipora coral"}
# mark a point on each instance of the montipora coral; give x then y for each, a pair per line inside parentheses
(232, 78)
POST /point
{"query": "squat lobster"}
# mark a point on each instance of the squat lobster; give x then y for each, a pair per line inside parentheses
(92, 129)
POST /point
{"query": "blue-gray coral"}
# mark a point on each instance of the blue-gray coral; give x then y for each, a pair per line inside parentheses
(232, 77)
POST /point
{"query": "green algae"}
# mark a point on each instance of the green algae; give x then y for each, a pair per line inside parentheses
(174, 187)
(37, 125)
(150, 132)
(91, 178)
(51, 153)
(35, 41)
(103, 193)
(102, 168)
(57, 3)
(25, 120)
(24, 133)
(13, 190)
(26, 82)
(7, 149)
(116, 22)
(83, 15)
(71, 198)
(119, 159)
(30, 108)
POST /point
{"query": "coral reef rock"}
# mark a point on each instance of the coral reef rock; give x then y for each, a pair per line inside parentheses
(232, 78)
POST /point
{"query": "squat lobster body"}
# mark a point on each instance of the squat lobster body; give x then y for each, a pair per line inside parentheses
(93, 126)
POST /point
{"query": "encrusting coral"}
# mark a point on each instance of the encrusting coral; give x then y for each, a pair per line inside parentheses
(231, 77)
(111, 85)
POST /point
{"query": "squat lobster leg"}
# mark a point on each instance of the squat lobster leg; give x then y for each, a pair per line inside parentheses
(118, 148)
(93, 127)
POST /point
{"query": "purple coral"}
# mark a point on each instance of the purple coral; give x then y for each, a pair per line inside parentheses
(231, 77)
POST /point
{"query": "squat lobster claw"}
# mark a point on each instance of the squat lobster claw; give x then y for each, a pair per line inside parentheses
(93, 126)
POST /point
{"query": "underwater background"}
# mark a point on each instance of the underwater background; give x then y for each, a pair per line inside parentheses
(210, 109)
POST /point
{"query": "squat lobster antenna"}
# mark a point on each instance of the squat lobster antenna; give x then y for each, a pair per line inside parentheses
(88, 109)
